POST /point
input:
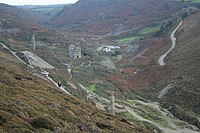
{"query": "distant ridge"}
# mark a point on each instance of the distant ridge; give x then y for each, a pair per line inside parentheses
(103, 16)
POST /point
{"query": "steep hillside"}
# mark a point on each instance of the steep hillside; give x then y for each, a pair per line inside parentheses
(106, 16)
(176, 84)
(131, 70)
(184, 72)
(17, 21)
(31, 104)
(10, 11)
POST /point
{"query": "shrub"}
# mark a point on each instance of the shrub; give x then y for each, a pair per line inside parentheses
(41, 122)
(2, 120)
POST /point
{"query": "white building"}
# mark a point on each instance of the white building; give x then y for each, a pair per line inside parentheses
(110, 48)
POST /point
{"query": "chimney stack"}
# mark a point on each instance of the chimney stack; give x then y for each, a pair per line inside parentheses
(33, 41)
(112, 103)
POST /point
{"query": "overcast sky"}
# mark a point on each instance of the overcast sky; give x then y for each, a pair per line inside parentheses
(36, 2)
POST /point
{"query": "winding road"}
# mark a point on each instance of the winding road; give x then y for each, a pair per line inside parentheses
(173, 39)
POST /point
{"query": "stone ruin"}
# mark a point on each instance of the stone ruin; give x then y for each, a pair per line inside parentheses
(74, 52)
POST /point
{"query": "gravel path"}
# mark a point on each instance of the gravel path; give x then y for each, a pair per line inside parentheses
(165, 114)
(100, 100)
(165, 90)
(36, 61)
(14, 53)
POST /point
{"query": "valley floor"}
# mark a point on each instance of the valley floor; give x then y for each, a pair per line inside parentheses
(170, 127)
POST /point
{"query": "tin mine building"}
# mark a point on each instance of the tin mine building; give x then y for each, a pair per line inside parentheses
(74, 52)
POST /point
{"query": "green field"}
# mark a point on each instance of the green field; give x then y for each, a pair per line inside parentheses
(196, 1)
(43, 9)
(128, 39)
(92, 88)
(119, 57)
(151, 29)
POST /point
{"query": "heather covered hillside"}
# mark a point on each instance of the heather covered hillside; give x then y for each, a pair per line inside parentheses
(105, 16)
(100, 66)
(184, 72)
(31, 103)
(176, 84)
(12, 12)
(17, 22)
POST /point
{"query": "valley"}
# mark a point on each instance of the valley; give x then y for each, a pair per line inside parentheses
(147, 55)
(129, 107)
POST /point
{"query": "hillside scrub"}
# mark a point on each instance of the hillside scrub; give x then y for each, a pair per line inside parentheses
(176, 18)
(29, 104)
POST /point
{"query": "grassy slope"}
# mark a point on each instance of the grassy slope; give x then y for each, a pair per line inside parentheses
(29, 104)
(196, 1)
(128, 39)
(151, 29)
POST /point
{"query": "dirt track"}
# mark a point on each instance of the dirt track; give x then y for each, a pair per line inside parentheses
(34, 60)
